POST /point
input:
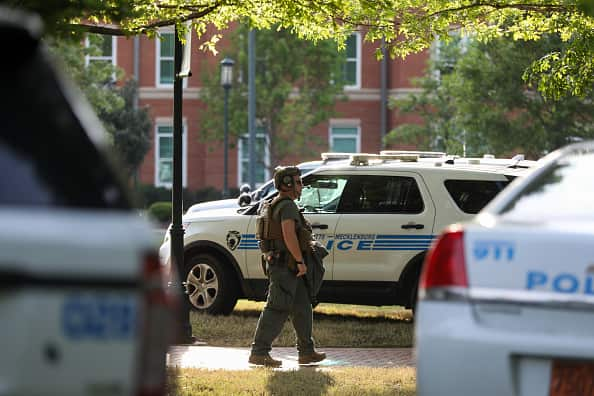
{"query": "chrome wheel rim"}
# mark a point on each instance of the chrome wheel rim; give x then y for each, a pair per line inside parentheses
(202, 285)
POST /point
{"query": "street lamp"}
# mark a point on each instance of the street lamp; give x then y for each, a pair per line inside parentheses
(226, 81)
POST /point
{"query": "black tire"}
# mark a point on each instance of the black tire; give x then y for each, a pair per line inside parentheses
(414, 278)
(211, 285)
(414, 296)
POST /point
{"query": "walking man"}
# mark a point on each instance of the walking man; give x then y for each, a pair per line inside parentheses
(285, 236)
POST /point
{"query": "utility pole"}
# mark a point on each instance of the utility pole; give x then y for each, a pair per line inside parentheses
(177, 232)
(252, 107)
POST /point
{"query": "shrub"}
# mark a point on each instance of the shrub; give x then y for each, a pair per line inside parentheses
(160, 211)
(146, 195)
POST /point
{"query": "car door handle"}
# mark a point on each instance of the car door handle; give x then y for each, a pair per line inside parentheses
(320, 226)
(412, 225)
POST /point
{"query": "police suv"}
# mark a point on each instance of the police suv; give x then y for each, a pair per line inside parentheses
(376, 215)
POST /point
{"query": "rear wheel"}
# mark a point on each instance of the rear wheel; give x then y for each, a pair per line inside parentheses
(413, 279)
(414, 296)
(211, 285)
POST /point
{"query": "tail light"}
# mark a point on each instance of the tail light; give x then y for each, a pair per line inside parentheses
(156, 332)
(445, 265)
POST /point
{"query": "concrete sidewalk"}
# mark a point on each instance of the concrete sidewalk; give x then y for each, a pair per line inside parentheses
(208, 357)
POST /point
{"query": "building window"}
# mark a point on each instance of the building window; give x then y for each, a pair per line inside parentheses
(262, 159)
(164, 157)
(345, 139)
(165, 54)
(352, 65)
(102, 49)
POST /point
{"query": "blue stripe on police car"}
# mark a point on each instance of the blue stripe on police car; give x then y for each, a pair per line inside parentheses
(380, 242)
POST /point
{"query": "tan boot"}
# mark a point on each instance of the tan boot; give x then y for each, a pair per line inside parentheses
(264, 360)
(313, 357)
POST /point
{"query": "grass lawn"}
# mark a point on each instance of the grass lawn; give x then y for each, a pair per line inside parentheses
(335, 325)
(355, 381)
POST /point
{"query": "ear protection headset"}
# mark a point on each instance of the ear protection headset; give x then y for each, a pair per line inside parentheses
(283, 176)
(287, 181)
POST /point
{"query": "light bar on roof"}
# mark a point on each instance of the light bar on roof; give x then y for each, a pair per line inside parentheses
(364, 159)
(336, 156)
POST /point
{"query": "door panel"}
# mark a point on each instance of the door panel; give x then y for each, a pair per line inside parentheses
(319, 200)
(385, 220)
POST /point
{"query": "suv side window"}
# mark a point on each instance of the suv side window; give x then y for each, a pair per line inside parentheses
(381, 194)
(321, 193)
(473, 195)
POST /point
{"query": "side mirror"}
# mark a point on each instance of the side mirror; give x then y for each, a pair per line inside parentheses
(244, 199)
(245, 188)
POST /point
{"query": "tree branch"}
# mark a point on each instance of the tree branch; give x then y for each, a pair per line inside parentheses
(116, 30)
(519, 6)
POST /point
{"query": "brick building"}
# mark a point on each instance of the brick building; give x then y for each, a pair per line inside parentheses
(359, 127)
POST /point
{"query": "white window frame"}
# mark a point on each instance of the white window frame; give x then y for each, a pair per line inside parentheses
(169, 123)
(357, 60)
(331, 135)
(240, 148)
(158, 59)
(114, 52)
(435, 49)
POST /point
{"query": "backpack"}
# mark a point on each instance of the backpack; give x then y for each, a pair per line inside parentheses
(267, 230)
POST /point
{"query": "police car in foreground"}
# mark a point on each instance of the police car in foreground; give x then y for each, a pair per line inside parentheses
(83, 302)
(507, 301)
(375, 214)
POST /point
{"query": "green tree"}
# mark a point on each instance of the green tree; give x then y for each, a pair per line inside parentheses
(95, 80)
(297, 83)
(407, 26)
(128, 126)
(481, 99)
(435, 104)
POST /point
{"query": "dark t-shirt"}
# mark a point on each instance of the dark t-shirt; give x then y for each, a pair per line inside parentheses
(285, 210)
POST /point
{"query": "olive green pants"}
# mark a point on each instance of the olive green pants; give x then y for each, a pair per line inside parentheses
(287, 297)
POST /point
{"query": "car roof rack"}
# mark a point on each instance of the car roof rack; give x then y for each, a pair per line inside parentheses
(420, 154)
(517, 161)
(365, 159)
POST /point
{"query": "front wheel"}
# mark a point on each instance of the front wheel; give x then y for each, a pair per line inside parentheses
(211, 285)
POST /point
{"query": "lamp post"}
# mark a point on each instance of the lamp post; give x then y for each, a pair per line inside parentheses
(226, 81)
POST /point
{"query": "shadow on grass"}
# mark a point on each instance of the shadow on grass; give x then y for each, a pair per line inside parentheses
(305, 381)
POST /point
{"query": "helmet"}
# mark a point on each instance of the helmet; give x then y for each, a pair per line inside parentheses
(283, 176)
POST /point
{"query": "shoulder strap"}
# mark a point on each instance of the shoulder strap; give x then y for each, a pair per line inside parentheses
(278, 199)
(275, 202)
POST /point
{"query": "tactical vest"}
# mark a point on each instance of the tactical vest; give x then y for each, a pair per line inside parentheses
(268, 231)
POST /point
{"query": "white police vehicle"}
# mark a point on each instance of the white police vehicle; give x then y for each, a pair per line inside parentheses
(376, 214)
(506, 303)
(247, 197)
(83, 302)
